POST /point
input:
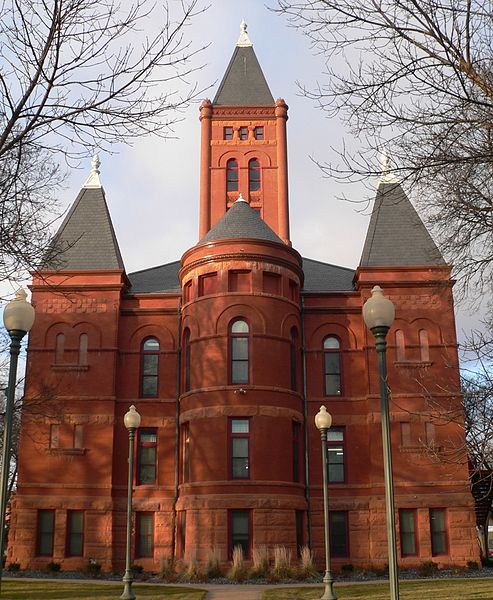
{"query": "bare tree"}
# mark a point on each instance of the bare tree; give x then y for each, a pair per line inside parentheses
(77, 75)
(415, 76)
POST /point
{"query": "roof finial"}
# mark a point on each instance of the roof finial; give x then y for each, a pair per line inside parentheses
(241, 199)
(387, 176)
(93, 180)
(243, 40)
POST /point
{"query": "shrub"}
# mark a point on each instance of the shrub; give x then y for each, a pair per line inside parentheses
(53, 567)
(306, 569)
(213, 565)
(137, 569)
(347, 568)
(14, 567)
(427, 568)
(93, 567)
(260, 563)
(282, 563)
(167, 569)
(191, 571)
(238, 571)
(472, 565)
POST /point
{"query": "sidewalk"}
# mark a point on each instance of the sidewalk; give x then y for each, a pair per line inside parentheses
(242, 592)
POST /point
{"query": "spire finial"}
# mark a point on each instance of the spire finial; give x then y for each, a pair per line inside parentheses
(241, 199)
(243, 40)
(93, 180)
(387, 176)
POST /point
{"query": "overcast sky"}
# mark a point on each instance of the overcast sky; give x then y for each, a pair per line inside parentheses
(152, 188)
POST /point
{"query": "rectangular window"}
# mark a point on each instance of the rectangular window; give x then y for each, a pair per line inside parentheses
(145, 535)
(78, 436)
(185, 452)
(271, 283)
(187, 292)
(243, 133)
(299, 531)
(181, 526)
(438, 529)
(259, 133)
(240, 531)
(239, 281)
(407, 526)
(430, 433)
(405, 434)
(338, 530)
(240, 433)
(207, 284)
(46, 528)
(54, 436)
(147, 456)
(75, 533)
(293, 291)
(150, 366)
(228, 133)
(296, 451)
(335, 455)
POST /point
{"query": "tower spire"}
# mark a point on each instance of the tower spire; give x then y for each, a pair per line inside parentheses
(243, 41)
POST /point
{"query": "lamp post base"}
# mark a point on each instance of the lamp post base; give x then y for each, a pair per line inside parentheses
(128, 593)
(328, 592)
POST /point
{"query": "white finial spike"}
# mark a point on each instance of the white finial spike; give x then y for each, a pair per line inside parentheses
(93, 180)
(243, 40)
(387, 176)
(241, 199)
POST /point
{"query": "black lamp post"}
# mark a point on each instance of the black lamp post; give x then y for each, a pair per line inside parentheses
(323, 421)
(132, 423)
(18, 318)
(379, 313)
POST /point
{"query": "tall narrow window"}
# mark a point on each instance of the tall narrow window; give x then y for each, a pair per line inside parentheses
(258, 133)
(430, 433)
(144, 547)
(424, 347)
(78, 436)
(438, 528)
(299, 531)
(407, 527)
(185, 452)
(239, 448)
(150, 368)
(239, 351)
(75, 533)
(335, 458)
(254, 175)
(332, 366)
(228, 133)
(83, 343)
(400, 347)
(46, 528)
(54, 435)
(147, 456)
(293, 358)
(59, 348)
(232, 175)
(243, 133)
(338, 529)
(239, 523)
(296, 450)
(186, 360)
(405, 433)
(181, 533)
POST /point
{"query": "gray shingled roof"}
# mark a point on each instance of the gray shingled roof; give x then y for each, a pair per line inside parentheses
(324, 277)
(240, 221)
(243, 83)
(396, 235)
(86, 239)
(156, 279)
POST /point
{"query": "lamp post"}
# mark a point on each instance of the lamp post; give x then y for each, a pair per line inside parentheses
(323, 421)
(379, 313)
(18, 318)
(132, 423)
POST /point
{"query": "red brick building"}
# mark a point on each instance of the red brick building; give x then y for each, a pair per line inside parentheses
(228, 354)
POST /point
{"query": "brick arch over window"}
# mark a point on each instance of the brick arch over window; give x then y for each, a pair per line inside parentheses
(166, 338)
(193, 324)
(346, 336)
(256, 319)
(264, 158)
(149, 367)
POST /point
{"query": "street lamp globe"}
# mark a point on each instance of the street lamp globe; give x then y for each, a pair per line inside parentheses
(132, 418)
(323, 419)
(19, 313)
(378, 311)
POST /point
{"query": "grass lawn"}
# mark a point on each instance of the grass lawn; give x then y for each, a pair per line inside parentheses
(444, 589)
(43, 590)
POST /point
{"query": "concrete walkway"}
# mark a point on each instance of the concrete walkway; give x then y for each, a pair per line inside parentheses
(242, 592)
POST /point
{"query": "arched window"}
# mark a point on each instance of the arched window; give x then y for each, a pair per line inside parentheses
(83, 343)
(254, 174)
(400, 346)
(149, 368)
(59, 348)
(186, 360)
(332, 366)
(424, 345)
(293, 358)
(232, 175)
(239, 351)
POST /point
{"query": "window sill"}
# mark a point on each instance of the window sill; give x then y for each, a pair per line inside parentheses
(70, 367)
(412, 364)
(73, 451)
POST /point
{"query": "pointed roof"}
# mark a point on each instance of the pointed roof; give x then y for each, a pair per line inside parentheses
(86, 239)
(396, 235)
(243, 83)
(241, 221)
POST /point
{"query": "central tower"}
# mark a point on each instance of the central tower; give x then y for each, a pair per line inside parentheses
(244, 146)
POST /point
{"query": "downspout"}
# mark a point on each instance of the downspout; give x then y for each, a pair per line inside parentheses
(177, 433)
(305, 413)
